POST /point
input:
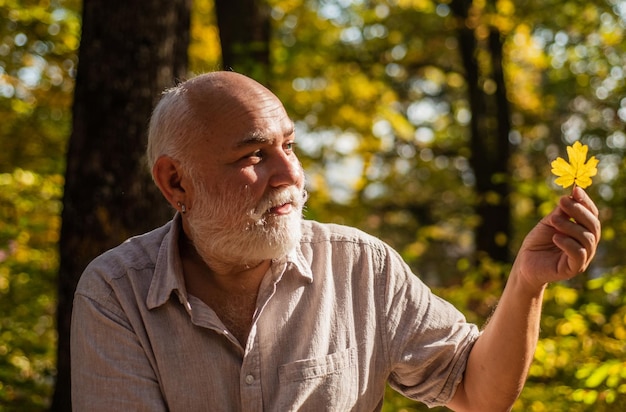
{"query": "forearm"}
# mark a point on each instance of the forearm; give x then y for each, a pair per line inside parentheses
(559, 247)
(499, 362)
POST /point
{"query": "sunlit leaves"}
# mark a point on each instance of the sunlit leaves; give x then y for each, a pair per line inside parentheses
(38, 46)
(30, 209)
(204, 48)
(524, 67)
(578, 171)
(581, 352)
(38, 54)
(420, 5)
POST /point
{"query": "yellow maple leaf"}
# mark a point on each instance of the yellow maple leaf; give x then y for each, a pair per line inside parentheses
(578, 171)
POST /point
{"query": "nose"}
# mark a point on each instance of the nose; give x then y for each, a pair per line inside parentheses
(286, 171)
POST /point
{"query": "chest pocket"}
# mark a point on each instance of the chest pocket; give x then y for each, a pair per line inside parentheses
(328, 383)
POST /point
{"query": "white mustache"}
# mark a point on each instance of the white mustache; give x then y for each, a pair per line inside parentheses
(297, 197)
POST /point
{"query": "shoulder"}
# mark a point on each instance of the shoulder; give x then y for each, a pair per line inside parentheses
(137, 253)
(316, 232)
(344, 245)
(351, 249)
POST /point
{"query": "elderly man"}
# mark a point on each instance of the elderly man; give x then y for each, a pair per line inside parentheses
(238, 304)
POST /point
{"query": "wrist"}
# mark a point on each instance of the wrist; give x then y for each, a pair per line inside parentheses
(525, 284)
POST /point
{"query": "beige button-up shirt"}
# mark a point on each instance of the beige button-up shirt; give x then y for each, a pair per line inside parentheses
(336, 320)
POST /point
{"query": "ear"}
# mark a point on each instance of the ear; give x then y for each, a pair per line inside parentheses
(169, 177)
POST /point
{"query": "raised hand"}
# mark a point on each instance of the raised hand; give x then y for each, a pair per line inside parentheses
(563, 243)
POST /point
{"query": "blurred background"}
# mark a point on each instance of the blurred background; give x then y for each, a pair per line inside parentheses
(430, 124)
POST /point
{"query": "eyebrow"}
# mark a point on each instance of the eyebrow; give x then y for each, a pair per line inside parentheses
(259, 137)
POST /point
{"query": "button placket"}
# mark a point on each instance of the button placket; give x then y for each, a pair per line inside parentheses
(250, 392)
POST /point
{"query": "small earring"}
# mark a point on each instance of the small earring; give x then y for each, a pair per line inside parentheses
(183, 208)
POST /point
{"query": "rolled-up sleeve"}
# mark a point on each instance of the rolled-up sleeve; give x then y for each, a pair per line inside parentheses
(429, 339)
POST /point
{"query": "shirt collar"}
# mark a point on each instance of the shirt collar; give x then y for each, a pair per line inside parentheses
(168, 269)
(298, 262)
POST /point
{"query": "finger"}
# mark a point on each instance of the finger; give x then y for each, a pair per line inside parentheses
(582, 214)
(584, 238)
(582, 197)
(575, 259)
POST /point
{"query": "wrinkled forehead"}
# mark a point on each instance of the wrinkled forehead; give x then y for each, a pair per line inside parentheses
(227, 109)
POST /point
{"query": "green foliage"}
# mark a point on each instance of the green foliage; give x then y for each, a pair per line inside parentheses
(30, 208)
(580, 361)
(38, 45)
(204, 50)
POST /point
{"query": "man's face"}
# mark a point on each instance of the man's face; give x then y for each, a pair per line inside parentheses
(248, 184)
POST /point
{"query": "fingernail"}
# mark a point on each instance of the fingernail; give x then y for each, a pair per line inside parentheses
(578, 194)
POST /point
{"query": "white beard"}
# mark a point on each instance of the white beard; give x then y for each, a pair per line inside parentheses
(229, 229)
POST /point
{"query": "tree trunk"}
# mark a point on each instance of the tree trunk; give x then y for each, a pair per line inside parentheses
(490, 128)
(244, 27)
(130, 51)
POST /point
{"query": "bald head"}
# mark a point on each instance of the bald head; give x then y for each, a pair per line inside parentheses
(214, 92)
(195, 108)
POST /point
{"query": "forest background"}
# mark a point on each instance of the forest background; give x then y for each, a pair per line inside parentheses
(429, 124)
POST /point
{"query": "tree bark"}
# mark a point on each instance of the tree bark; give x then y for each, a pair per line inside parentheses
(130, 51)
(244, 27)
(489, 141)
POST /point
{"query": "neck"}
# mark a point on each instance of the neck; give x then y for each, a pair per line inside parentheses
(219, 274)
(229, 289)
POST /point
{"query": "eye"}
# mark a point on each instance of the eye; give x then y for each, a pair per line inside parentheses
(253, 157)
(289, 146)
(256, 154)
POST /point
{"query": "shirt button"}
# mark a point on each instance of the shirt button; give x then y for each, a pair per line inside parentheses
(249, 379)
